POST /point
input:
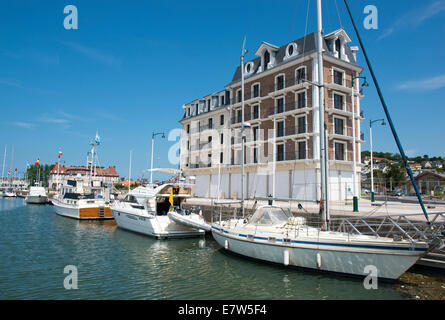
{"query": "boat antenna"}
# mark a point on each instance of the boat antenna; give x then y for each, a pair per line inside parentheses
(388, 117)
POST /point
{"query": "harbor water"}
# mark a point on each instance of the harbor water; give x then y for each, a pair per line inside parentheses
(36, 245)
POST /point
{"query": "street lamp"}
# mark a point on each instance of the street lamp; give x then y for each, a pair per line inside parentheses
(354, 161)
(152, 148)
(372, 167)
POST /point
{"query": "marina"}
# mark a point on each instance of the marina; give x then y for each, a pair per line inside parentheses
(117, 264)
(266, 191)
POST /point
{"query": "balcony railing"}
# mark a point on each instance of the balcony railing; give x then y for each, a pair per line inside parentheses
(286, 107)
(288, 82)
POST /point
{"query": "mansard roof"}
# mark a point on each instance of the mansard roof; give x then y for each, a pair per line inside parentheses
(305, 46)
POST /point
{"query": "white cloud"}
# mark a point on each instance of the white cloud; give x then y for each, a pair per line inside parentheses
(23, 124)
(424, 84)
(93, 54)
(414, 18)
(11, 83)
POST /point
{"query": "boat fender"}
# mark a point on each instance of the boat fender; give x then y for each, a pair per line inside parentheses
(226, 244)
(286, 257)
(318, 260)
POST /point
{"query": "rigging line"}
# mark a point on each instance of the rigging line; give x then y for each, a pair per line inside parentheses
(305, 31)
(388, 117)
(338, 12)
(293, 23)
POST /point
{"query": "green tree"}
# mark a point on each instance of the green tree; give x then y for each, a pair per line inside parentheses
(33, 172)
(395, 175)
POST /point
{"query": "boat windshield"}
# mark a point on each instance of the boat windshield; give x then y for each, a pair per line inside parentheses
(270, 215)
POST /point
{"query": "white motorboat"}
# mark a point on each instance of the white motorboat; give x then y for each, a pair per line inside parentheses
(9, 194)
(151, 218)
(274, 235)
(84, 197)
(142, 193)
(36, 195)
(191, 220)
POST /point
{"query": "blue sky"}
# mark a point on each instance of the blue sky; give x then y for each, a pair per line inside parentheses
(131, 65)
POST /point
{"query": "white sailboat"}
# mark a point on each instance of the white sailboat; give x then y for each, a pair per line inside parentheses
(274, 235)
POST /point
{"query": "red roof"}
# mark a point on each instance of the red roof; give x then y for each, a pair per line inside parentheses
(74, 170)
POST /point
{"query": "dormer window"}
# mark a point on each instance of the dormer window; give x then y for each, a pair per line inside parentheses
(291, 50)
(248, 68)
(266, 59)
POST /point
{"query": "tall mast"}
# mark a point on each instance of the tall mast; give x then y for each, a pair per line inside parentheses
(242, 127)
(322, 137)
(129, 172)
(4, 160)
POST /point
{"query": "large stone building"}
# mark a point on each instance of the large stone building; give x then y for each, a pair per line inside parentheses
(282, 111)
(59, 175)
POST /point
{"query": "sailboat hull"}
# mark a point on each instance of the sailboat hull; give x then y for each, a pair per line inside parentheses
(389, 262)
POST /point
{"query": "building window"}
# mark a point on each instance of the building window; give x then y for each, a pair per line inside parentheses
(339, 126)
(339, 151)
(199, 126)
(300, 75)
(255, 155)
(301, 149)
(238, 95)
(255, 133)
(301, 123)
(222, 100)
(221, 157)
(210, 123)
(338, 77)
(256, 111)
(188, 145)
(338, 101)
(279, 82)
(301, 100)
(266, 59)
(238, 115)
(280, 105)
(188, 128)
(221, 119)
(280, 152)
(256, 90)
(280, 128)
(222, 138)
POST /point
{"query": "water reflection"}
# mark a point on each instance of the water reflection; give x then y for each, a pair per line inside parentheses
(36, 245)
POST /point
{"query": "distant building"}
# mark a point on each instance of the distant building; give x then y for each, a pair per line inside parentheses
(62, 174)
(426, 164)
(415, 166)
(429, 181)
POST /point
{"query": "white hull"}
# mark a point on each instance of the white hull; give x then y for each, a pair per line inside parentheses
(192, 221)
(391, 261)
(36, 199)
(151, 225)
(84, 212)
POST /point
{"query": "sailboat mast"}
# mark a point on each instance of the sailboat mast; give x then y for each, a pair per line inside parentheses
(323, 145)
(242, 127)
(4, 160)
(129, 172)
